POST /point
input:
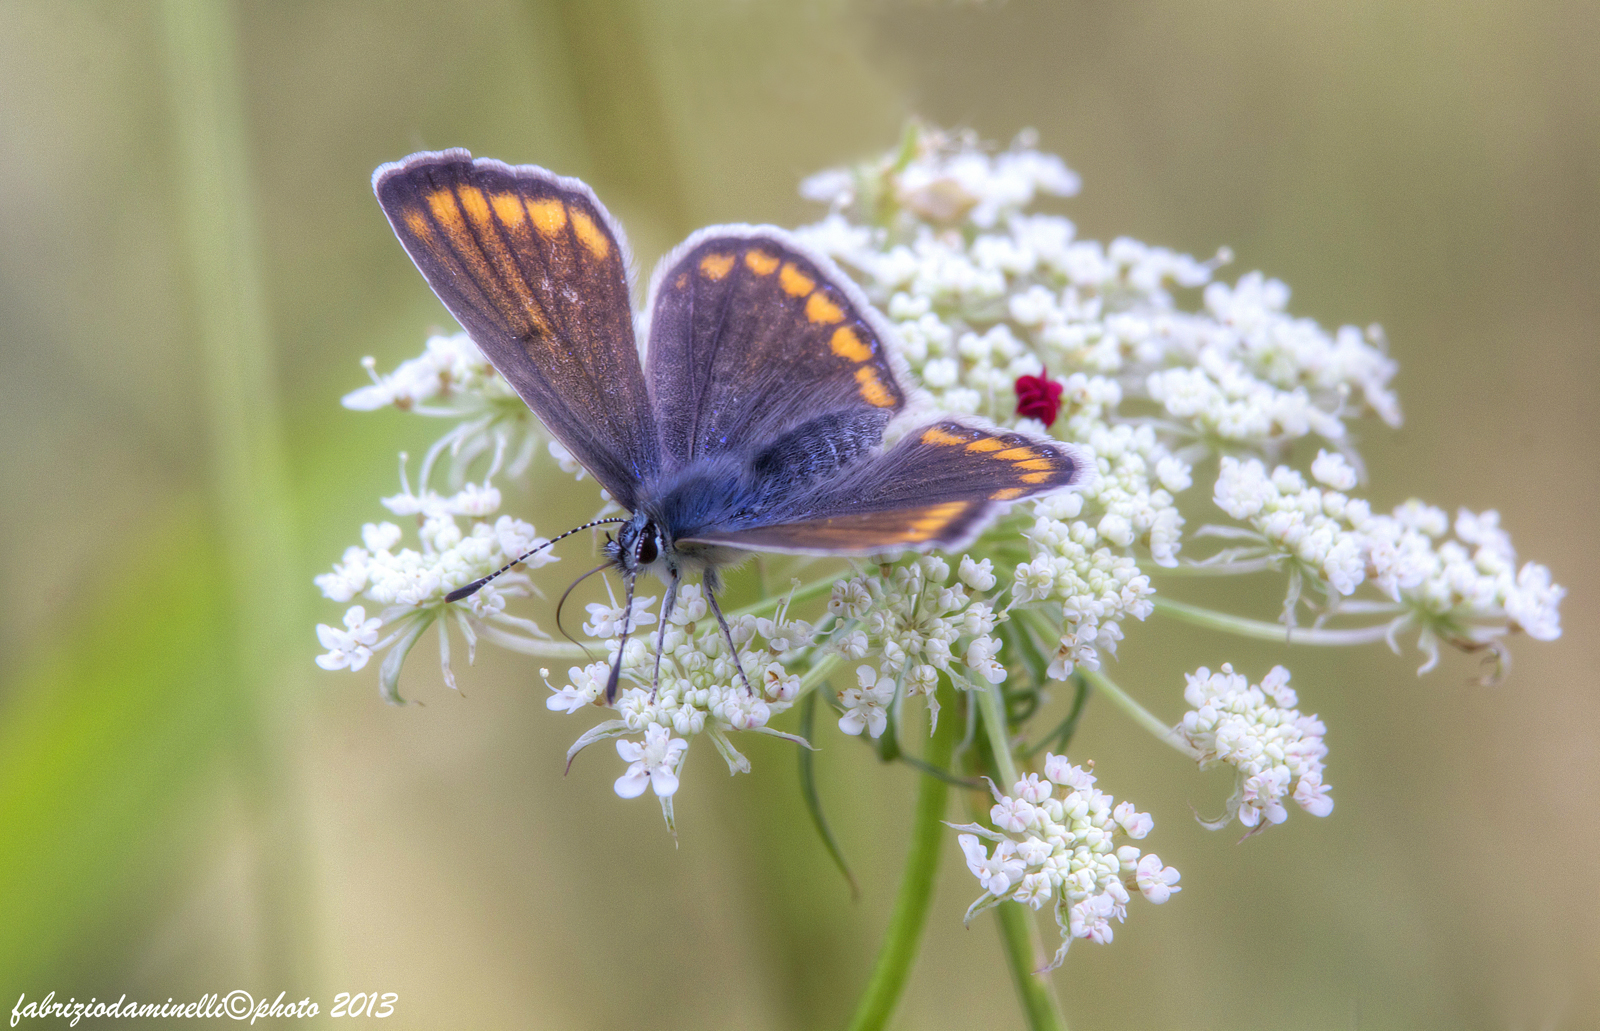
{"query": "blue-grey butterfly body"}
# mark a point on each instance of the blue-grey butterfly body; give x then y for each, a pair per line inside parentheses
(756, 421)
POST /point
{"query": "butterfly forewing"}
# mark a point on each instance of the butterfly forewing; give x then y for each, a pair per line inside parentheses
(535, 270)
(751, 335)
(937, 487)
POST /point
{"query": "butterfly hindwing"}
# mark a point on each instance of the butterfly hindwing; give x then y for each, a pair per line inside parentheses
(535, 270)
(937, 487)
(751, 336)
(852, 532)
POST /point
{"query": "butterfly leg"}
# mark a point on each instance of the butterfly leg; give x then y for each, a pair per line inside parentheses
(667, 605)
(710, 584)
(622, 641)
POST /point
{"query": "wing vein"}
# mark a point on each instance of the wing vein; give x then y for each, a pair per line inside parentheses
(702, 383)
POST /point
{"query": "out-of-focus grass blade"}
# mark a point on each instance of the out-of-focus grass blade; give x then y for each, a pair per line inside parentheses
(101, 748)
(808, 790)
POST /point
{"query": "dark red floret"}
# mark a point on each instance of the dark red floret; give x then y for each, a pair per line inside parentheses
(1038, 397)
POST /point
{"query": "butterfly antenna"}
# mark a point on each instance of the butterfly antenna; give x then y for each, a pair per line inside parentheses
(472, 588)
(622, 641)
(563, 601)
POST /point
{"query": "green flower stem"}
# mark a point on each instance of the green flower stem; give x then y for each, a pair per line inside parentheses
(1019, 937)
(904, 934)
(818, 673)
(1240, 568)
(1140, 715)
(801, 593)
(1264, 631)
(1018, 934)
(1100, 682)
(992, 707)
(561, 650)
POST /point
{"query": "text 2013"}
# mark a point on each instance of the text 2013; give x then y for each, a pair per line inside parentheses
(364, 1004)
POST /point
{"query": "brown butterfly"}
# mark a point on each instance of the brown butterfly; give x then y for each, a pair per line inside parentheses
(755, 421)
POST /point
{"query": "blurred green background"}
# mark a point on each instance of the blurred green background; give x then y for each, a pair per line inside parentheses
(188, 805)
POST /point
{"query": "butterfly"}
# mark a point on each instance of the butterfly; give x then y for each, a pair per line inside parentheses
(756, 418)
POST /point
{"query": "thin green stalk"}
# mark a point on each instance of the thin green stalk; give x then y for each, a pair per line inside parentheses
(249, 481)
(1264, 631)
(801, 593)
(808, 792)
(1019, 937)
(992, 708)
(562, 651)
(1140, 715)
(818, 673)
(904, 933)
(1061, 736)
(1124, 701)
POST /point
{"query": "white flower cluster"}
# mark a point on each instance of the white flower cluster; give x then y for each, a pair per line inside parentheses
(1064, 848)
(1319, 529)
(923, 626)
(918, 623)
(1255, 375)
(988, 308)
(1022, 296)
(1467, 591)
(695, 687)
(411, 583)
(351, 647)
(1257, 731)
(1093, 585)
(450, 377)
(962, 182)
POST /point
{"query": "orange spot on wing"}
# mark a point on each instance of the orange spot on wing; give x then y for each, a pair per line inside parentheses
(872, 388)
(846, 344)
(476, 203)
(1035, 477)
(935, 435)
(590, 235)
(1008, 494)
(509, 207)
(820, 309)
(983, 444)
(549, 216)
(1035, 463)
(417, 222)
(935, 519)
(681, 282)
(488, 264)
(522, 308)
(795, 283)
(761, 263)
(445, 211)
(715, 266)
(1016, 454)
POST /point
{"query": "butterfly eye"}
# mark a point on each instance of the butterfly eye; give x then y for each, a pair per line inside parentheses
(647, 549)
